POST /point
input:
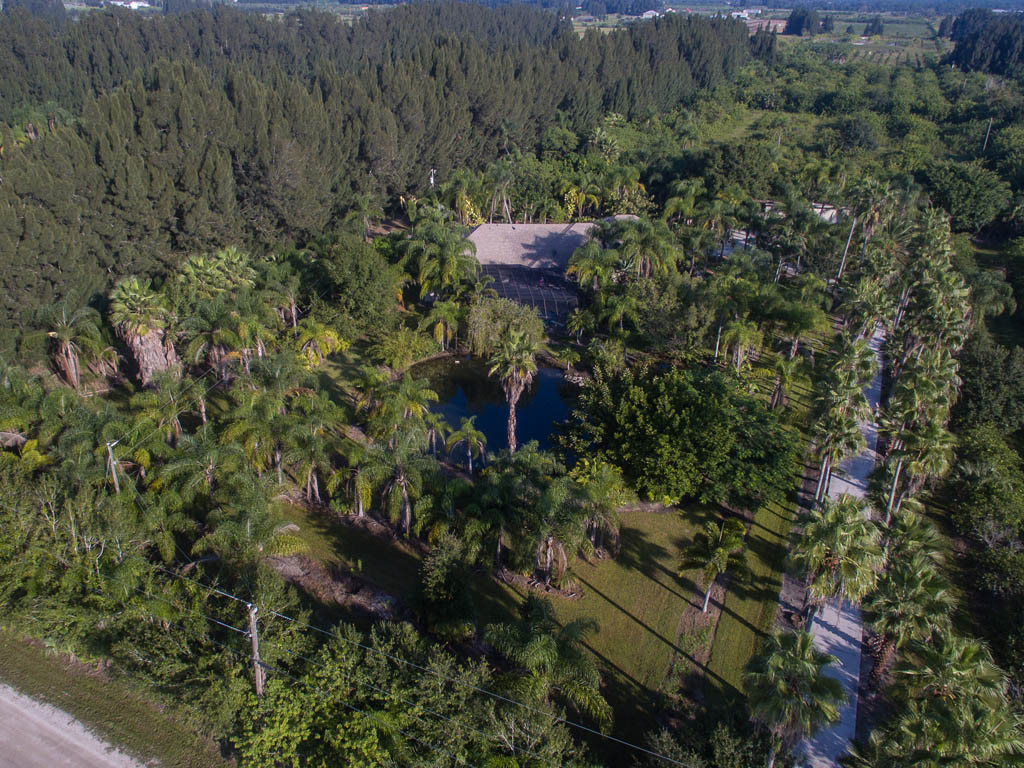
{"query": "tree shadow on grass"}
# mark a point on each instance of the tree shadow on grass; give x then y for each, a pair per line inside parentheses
(649, 629)
(640, 554)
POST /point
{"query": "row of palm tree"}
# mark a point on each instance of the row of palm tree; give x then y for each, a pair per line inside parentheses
(950, 700)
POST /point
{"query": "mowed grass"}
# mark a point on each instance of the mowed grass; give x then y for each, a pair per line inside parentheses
(750, 603)
(110, 708)
(636, 601)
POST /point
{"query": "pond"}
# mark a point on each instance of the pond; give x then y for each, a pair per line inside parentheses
(464, 389)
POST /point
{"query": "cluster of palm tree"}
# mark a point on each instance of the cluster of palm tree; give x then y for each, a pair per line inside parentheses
(519, 188)
(739, 302)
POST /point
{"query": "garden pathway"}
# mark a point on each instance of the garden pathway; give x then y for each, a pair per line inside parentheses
(837, 628)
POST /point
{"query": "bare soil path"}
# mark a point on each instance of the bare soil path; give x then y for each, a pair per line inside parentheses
(34, 735)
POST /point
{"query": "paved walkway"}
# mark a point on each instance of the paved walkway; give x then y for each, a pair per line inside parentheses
(837, 628)
(34, 735)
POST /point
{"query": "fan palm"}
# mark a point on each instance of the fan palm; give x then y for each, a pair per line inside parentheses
(837, 550)
(138, 314)
(788, 691)
(911, 600)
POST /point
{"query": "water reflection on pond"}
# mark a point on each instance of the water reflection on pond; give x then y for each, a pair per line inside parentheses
(464, 389)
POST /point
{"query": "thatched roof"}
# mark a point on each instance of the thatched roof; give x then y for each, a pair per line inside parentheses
(538, 246)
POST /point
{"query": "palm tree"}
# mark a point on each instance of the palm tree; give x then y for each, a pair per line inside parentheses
(785, 371)
(557, 525)
(580, 321)
(515, 364)
(838, 550)
(716, 549)
(163, 406)
(740, 336)
(397, 473)
(72, 333)
(472, 437)
(930, 452)
(788, 691)
(590, 262)
(550, 658)
(444, 317)
(645, 246)
(838, 434)
(316, 341)
(798, 321)
(948, 666)
(911, 601)
(405, 401)
(139, 316)
(444, 257)
(622, 305)
(201, 467)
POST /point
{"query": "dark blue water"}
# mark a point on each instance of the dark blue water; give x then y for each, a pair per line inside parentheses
(464, 389)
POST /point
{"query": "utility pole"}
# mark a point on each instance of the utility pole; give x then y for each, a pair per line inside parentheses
(113, 465)
(257, 666)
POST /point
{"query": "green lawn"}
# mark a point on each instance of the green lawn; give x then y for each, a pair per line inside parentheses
(637, 600)
(111, 708)
(750, 605)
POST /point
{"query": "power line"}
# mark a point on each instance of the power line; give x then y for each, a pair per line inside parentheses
(240, 658)
(265, 642)
(484, 691)
(476, 688)
(487, 736)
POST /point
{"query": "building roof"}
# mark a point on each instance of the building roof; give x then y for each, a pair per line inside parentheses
(538, 246)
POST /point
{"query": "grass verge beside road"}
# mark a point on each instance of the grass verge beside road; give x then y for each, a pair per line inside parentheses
(112, 709)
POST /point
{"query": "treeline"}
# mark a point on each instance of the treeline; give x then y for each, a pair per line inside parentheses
(988, 42)
(273, 128)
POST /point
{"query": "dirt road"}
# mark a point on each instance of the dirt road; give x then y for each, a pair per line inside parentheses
(34, 735)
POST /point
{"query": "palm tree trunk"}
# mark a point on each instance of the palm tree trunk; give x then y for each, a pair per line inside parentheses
(406, 511)
(892, 492)
(882, 661)
(821, 477)
(469, 455)
(512, 424)
(846, 250)
(548, 557)
(707, 597)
